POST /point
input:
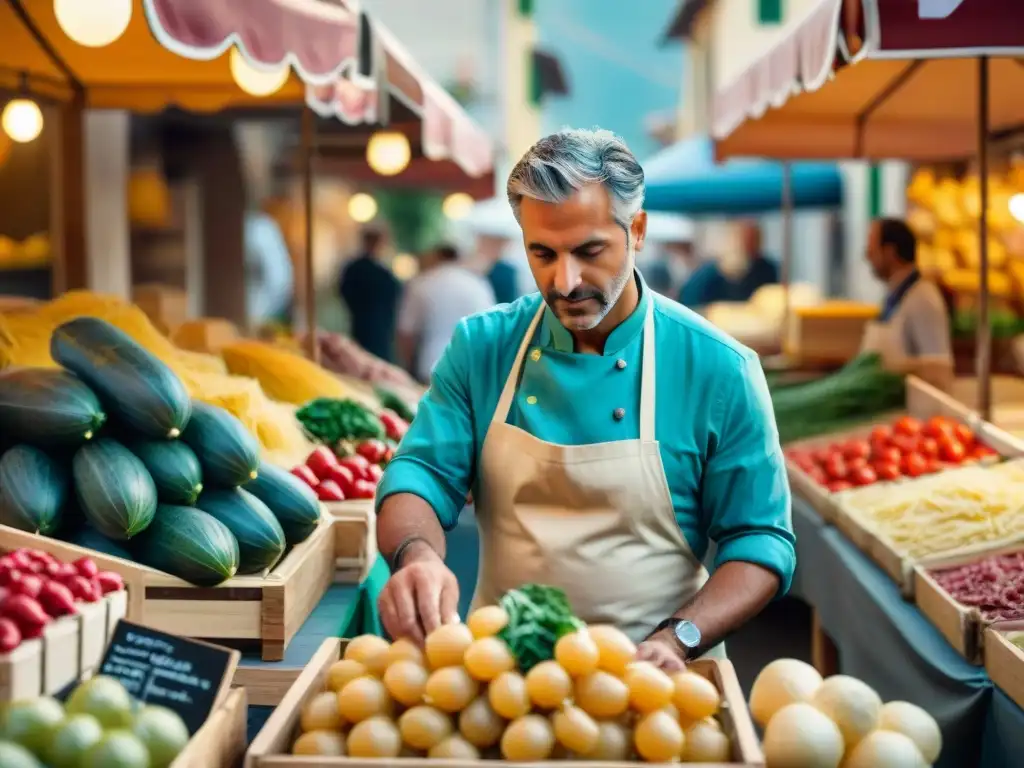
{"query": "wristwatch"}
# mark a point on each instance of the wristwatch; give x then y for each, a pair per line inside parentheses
(686, 633)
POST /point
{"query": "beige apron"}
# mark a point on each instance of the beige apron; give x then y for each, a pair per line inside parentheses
(888, 340)
(595, 520)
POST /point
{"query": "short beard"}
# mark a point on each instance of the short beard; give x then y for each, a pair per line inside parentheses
(605, 301)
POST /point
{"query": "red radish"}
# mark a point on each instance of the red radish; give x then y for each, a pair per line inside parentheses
(83, 589)
(10, 636)
(329, 490)
(57, 599)
(86, 567)
(21, 560)
(25, 611)
(9, 574)
(372, 450)
(363, 489)
(32, 632)
(394, 425)
(306, 475)
(27, 584)
(374, 473)
(342, 476)
(320, 460)
(357, 465)
(109, 582)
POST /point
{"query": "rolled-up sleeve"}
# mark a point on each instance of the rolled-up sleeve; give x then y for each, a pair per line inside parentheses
(436, 457)
(746, 491)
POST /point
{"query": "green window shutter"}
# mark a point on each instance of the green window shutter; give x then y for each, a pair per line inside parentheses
(525, 8)
(874, 190)
(769, 11)
(536, 92)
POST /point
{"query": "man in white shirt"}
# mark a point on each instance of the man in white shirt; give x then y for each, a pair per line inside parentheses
(432, 306)
(269, 278)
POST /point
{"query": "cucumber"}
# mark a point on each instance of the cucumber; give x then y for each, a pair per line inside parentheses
(133, 384)
(174, 468)
(190, 544)
(88, 537)
(47, 407)
(261, 541)
(290, 500)
(115, 492)
(227, 451)
(33, 490)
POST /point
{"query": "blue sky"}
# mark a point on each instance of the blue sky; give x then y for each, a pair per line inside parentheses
(618, 71)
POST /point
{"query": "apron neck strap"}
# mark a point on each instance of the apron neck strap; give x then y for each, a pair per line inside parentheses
(648, 380)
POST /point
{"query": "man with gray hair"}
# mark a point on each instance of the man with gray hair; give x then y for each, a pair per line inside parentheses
(545, 410)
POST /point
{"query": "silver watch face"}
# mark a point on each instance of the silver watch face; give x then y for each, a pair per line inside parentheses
(688, 634)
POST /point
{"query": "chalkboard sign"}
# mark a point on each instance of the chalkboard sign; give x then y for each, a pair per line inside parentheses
(188, 676)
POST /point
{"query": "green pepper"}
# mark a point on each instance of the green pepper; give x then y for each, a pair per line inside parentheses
(329, 421)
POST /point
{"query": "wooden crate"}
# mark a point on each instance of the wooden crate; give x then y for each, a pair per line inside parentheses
(268, 609)
(355, 537)
(820, 338)
(1004, 661)
(270, 748)
(220, 743)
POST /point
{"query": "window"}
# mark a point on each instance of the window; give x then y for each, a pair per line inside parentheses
(769, 11)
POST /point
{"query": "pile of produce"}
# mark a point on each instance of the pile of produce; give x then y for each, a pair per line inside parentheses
(813, 723)
(36, 588)
(358, 444)
(858, 392)
(906, 448)
(940, 513)
(465, 696)
(994, 585)
(25, 338)
(112, 453)
(99, 726)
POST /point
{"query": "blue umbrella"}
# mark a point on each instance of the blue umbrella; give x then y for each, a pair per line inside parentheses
(686, 179)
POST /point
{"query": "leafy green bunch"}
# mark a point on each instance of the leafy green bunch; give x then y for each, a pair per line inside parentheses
(538, 616)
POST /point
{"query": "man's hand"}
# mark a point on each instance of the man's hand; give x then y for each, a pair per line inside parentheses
(420, 596)
(662, 650)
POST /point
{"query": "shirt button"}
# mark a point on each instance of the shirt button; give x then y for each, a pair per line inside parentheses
(535, 355)
(619, 414)
(620, 364)
(531, 400)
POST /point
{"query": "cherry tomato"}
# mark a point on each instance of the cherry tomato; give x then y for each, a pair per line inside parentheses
(817, 474)
(321, 460)
(932, 466)
(907, 425)
(306, 475)
(806, 463)
(905, 443)
(965, 435)
(835, 469)
(821, 455)
(937, 426)
(887, 470)
(914, 465)
(852, 465)
(928, 447)
(839, 485)
(888, 455)
(952, 451)
(864, 476)
(982, 451)
(357, 465)
(328, 490)
(881, 434)
(342, 476)
(857, 449)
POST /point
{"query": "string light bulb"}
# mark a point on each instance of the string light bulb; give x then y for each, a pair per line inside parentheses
(457, 205)
(256, 82)
(22, 120)
(93, 23)
(388, 153)
(361, 208)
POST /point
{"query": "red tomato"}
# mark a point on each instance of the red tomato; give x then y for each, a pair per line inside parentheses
(881, 434)
(887, 470)
(864, 476)
(907, 425)
(363, 489)
(835, 469)
(952, 451)
(914, 464)
(964, 434)
(357, 464)
(982, 451)
(342, 476)
(852, 465)
(328, 490)
(806, 463)
(905, 443)
(889, 455)
(857, 449)
(374, 473)
(933, 466)
(937, 426)
(928, 447)
(821, 455)
(817, 474)
(839, 485)
(306, 475)
(321, 460)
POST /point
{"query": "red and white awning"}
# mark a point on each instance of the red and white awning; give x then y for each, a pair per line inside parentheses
(318, 40)
(873, 79)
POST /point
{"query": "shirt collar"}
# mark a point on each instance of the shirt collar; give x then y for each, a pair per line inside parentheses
(556, 335)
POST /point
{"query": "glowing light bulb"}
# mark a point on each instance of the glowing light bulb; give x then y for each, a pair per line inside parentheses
(1017, 207)
(22, 120)
(361, 208)
(457, 206)
(256, 82)
(388, 153)
(93, 23)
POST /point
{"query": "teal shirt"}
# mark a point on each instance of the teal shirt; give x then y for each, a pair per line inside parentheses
(714, 420)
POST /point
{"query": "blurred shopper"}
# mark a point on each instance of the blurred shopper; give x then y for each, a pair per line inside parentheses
(503, 277)
(268, 270)
(912, 332)
(372, 292)
(432, 307)
(728, 278)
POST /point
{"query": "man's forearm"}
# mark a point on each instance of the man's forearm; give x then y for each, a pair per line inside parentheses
(735, 593)
(405, 516)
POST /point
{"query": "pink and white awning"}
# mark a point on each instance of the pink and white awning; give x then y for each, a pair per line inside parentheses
(318, 40)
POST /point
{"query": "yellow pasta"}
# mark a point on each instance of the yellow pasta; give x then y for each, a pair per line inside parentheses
(960, 508)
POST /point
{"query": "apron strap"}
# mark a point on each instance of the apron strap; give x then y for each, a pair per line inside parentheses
(648, 380)
(505, 401)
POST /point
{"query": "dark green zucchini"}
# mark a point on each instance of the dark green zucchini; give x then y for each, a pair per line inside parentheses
(115, 492)
(174, 468)
(227, 451)
(261, 541)
(88, 537)
(47, 407)
(190, 544)
(290, 500)
(132, 383)
(33, 490)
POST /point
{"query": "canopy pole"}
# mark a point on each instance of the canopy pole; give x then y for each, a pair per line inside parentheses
(984, 337)
(309, 277)
(786, 264)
